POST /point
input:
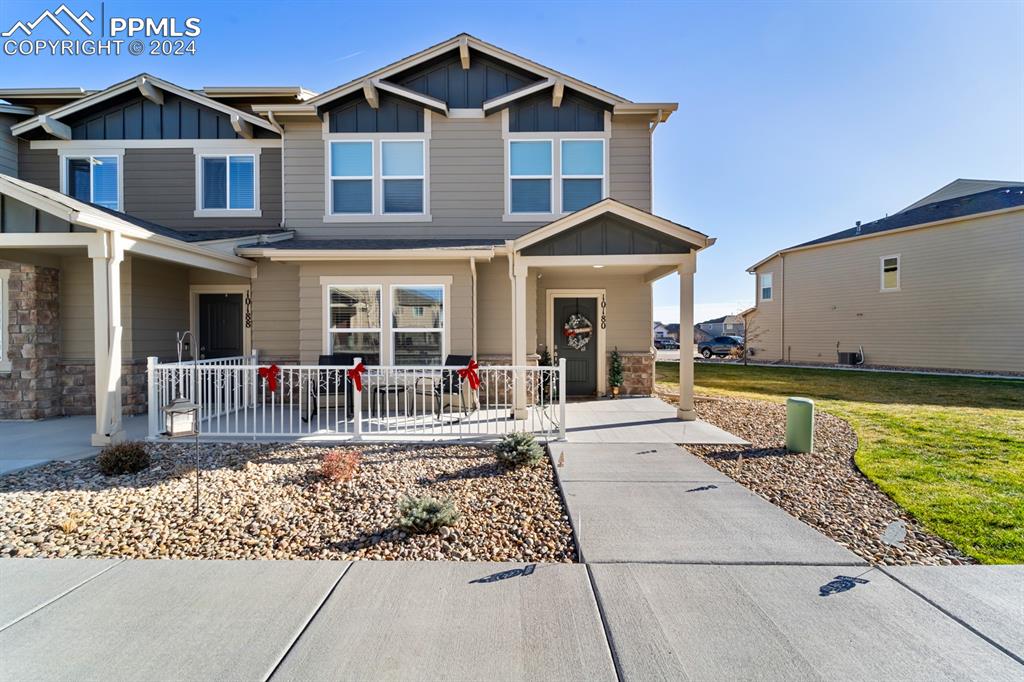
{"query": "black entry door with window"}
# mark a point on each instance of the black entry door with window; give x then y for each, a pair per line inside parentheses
(580, 362)
(220, 326)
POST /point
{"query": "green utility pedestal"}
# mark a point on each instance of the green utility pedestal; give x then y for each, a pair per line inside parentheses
(799, 424)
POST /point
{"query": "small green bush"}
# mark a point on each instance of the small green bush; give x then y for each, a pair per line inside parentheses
(519, 449)
(426, 514)
(129, 457)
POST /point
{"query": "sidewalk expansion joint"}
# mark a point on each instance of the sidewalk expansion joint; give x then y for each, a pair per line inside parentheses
(62, 594)
(608, 638)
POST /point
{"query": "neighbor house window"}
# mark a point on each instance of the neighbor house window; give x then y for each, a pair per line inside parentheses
(94, 179)
(417, 324)
(766, 286)
(5, 361)
(352, 177)
(227, 182)
(582, 173)
(402, 166)
(530, 176)
(354, 319)
(890, 273)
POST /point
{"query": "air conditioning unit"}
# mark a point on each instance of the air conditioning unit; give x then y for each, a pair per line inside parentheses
(853, 358)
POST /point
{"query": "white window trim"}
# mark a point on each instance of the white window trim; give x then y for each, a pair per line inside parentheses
(385, 284)
(328, 348)
(443, 329)
(881, 272)
(761, 287)
(556, 139)
(603, 177)
(91, 153)
(378, 215)
(254, 212)
(5, 321)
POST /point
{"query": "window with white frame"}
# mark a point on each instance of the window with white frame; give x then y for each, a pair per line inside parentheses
(93, 178)
(377, 177)
(417, 324)
(530, 170)
(227, 182)
(890, 273)
(583, 173)
(5, 361)
(354, 320)
(766, 286)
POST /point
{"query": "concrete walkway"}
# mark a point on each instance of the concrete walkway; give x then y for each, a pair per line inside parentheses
(31, 443)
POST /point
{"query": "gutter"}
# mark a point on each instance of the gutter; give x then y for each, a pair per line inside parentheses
(363, 254)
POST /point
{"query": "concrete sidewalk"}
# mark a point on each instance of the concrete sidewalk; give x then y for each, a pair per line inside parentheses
(26, 444)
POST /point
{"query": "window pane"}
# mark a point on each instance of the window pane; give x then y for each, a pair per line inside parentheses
(403, 196)
(243, 182)
(577, 194)
(530, 158)
(78, 179)
(352, 159)
(355, 308)
(365, 344)
(104, 182)
(582, 157)
(531, 196)
(215, 183)
(766, 293)
(402, 158)
(417, 348)
(889, 279)
(352, 196)
(417, 307)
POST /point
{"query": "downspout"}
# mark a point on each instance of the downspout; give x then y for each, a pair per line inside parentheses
(472, 270)
(782, 304)
(280, 129)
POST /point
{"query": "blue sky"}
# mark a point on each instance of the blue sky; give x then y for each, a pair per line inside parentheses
(795, 119)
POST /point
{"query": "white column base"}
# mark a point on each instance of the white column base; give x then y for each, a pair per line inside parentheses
(686, 415)
(520, 413)
(100, 439)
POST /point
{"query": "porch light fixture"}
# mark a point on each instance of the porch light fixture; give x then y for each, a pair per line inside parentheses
(180, 418)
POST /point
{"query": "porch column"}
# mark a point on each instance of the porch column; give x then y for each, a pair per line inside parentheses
(686, 271)
(519, 272)
(107, 254)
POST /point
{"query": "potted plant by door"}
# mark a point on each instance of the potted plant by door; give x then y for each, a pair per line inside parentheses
(615, 373)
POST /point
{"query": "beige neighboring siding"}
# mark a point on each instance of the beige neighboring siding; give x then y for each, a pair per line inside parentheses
(764, 325)
(160, 309)
(8, 147)
(494, 310)
(960, 303)
(160, 186)
(629, 312)
(311, 312)
(629, 161)
(76, 318)
(275, 311)
(38, 166)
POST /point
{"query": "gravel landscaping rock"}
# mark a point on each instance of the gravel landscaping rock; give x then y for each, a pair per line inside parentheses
(823, 489)
(269, 501)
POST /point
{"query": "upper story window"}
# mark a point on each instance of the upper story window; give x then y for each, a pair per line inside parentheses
(549, 177)
(384, 178)
(890, 273)
(227, 184)
(766, 290)
(93, 178)
(530, 174)
(583, 173)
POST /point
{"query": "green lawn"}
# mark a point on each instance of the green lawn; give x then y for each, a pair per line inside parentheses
(950, 450)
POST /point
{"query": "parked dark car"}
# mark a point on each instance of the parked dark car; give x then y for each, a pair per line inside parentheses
(666, 344)
(722, 346)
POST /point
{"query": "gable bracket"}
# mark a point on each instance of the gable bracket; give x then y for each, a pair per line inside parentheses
(370, 92)
(464, 52)
(558, 93)
(242, 127)
(150, 92)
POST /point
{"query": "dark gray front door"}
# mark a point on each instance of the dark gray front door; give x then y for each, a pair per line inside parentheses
(220, 326)
(580, 364)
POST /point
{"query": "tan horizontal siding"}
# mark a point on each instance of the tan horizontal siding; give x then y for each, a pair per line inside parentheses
(494, 309)
(275, 311)
(159, 307)
(629, 314)
(38, 166)
(629, 161)
(76, 316)
(764, 325)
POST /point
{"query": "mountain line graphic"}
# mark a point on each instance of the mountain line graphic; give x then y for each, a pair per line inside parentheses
(52, 16)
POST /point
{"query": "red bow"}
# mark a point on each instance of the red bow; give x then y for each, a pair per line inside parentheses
(356, 375)
(469, 373)
(270, 375)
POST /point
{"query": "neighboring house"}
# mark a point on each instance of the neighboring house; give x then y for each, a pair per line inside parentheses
(666, 331)
(922, 288)
(463, 200)
(727, 325)
(700, 335)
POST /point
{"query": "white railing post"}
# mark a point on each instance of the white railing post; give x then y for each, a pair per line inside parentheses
(561, 398)
(152, 403)
(357, 403)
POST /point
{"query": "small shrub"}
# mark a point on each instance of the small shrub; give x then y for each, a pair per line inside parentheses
(339, 466)
(129, 457)
(426, 514)
(519, 449)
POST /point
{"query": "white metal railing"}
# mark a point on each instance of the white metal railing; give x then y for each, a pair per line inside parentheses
(395, 402)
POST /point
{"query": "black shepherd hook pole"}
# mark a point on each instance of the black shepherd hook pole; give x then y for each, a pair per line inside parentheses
(181, 336)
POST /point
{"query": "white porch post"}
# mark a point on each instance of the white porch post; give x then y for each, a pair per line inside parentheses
(519, 337)
(686, 272)
(107, 253)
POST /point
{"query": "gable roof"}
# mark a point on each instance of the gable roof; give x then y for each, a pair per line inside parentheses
(960, 187)
(143, 80)
(458, 43)
(1001, 198)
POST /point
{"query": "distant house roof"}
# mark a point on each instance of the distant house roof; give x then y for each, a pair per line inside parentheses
(1008, 196)
(960, 187)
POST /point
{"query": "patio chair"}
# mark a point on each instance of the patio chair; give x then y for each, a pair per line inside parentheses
(450, 383)
(332, 383)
